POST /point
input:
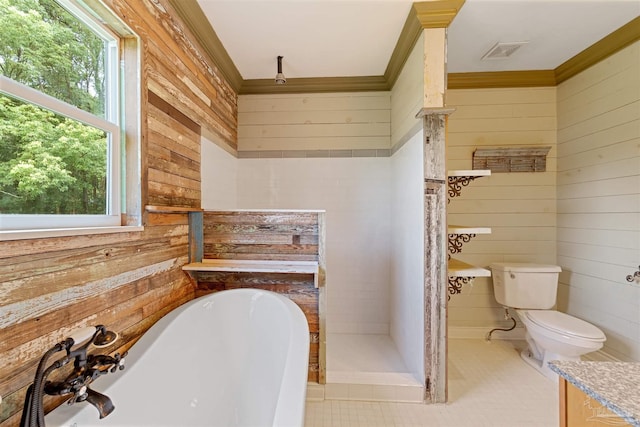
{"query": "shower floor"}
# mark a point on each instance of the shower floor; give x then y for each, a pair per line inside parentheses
(368, 367)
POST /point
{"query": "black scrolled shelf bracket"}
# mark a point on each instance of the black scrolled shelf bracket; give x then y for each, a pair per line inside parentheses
(635, 276)
(457, 182)
(456, 241)
(455, 284)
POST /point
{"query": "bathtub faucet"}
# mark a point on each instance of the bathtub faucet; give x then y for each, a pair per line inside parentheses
(87, 368)
(84, 373)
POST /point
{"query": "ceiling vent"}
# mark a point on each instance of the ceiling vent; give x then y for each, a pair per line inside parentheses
(503, 50)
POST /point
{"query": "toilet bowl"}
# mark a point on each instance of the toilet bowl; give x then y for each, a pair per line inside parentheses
(552, 335)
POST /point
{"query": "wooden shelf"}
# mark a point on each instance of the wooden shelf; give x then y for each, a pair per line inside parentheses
(462, 229)
(457, 268)
(469, 173)
(255, 266)
(461, 273)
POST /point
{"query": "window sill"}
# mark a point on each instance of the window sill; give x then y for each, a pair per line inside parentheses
(64, 232)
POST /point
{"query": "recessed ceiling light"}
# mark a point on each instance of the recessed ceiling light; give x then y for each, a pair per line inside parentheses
(503, 50)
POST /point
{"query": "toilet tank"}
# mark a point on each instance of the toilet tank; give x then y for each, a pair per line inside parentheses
(527, 286)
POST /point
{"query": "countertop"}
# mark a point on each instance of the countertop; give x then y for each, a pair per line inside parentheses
(616, 385)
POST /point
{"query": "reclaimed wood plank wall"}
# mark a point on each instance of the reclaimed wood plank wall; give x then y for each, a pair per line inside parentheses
(269, 236)
(50, 286)
(281, 235)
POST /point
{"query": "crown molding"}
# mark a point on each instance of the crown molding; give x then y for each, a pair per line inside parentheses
(406, 41)
(315, 85)
(618, 40)
(191, 13)
(437, 13)
(501, 79)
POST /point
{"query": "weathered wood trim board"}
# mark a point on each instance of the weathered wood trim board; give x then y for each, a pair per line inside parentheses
(256, 266)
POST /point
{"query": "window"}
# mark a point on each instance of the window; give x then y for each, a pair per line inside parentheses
(61, 114)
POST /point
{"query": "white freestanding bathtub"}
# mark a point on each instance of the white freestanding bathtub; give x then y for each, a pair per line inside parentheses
(233, 358)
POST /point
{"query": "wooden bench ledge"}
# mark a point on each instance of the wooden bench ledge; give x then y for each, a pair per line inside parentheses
(256, 266)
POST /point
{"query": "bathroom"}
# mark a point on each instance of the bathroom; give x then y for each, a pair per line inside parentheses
(581, 213)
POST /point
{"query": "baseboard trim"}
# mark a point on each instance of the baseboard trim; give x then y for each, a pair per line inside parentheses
(600, 356)
(480, 333)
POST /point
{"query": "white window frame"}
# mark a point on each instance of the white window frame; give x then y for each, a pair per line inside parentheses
(17, 226)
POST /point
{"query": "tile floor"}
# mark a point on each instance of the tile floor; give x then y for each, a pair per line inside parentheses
(489, 385)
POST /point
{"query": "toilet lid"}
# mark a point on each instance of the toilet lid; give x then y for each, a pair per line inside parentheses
(565, 324)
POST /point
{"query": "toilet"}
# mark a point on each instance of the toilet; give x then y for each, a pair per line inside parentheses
(531, 289)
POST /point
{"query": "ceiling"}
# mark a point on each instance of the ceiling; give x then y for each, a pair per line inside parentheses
(347, 38)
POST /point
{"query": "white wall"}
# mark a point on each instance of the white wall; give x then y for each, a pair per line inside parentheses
(599, 198)
(407, 260)
(355, 192)
(406, 298)
(218, 172)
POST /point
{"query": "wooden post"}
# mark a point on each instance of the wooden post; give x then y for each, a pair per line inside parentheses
(435, 262)
(196, 236)
(434, 17)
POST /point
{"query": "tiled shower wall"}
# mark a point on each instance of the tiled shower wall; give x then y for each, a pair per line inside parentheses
(218, 174)
(407, 240)
(355, 192)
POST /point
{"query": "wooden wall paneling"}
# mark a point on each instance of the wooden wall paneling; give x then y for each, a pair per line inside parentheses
(314, 121)
(60, 278)
(24, 341)
(180, 34)
(597, 194)
(181, 136)
(520, 208)
(171, 34)
(355, 101)
(261, 236)
(181, 90)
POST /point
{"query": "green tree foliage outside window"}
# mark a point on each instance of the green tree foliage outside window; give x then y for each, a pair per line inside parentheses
(51, 164)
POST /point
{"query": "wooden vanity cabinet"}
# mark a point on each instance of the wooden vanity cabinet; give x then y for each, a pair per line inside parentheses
(577, 409)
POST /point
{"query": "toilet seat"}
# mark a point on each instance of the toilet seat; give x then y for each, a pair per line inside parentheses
(565, 324)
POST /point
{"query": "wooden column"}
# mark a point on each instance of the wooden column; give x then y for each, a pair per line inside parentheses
(434, 17)
(435, 262)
